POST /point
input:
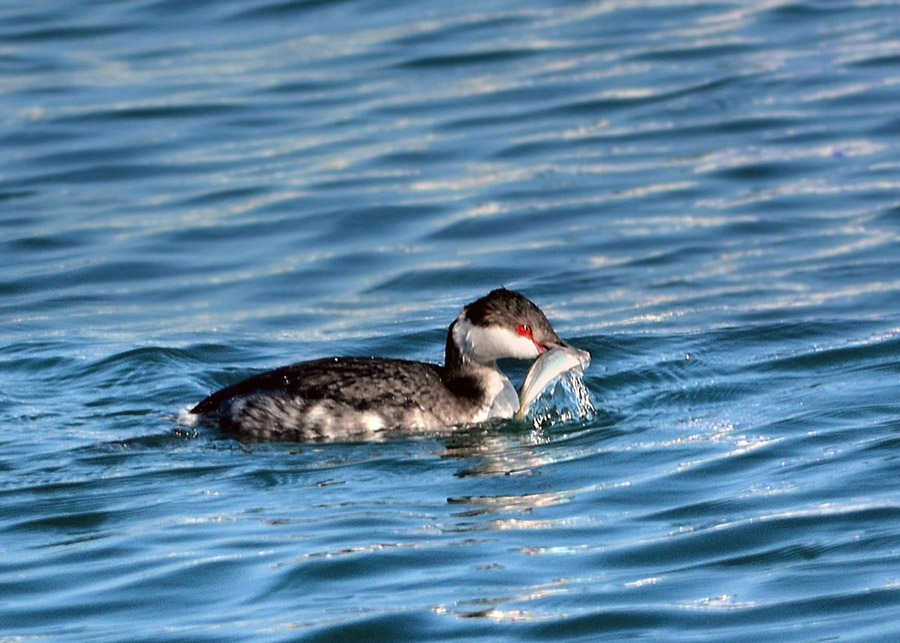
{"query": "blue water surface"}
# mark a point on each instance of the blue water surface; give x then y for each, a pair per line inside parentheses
(705, 195)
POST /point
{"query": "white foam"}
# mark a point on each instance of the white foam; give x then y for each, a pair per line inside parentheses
(184, 417)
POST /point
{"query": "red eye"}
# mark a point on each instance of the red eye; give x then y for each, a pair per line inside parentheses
(524, 330)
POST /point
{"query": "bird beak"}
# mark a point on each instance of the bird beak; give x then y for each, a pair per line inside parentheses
(546, 346)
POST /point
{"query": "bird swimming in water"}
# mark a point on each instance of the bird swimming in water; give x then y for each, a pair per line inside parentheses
(351, 397)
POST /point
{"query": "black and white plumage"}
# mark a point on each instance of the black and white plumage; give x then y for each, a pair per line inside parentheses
(351, 397)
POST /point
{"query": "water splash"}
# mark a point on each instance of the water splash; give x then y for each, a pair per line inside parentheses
(567, 399)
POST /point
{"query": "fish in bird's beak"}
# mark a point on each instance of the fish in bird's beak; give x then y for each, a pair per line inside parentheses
(549, 365)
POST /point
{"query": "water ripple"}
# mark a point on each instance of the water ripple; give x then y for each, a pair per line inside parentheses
(701, 194)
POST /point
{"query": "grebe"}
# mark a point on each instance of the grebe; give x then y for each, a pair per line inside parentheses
(351, 397)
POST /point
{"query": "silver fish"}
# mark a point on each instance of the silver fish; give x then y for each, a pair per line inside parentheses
(546, 369)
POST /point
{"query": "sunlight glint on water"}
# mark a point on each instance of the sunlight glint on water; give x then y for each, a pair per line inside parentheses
(702, 195)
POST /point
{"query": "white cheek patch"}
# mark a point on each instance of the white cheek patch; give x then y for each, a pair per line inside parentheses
(487, 345)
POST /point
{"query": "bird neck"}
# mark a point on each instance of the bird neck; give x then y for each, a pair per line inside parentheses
(480, 385)
(460, 366)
